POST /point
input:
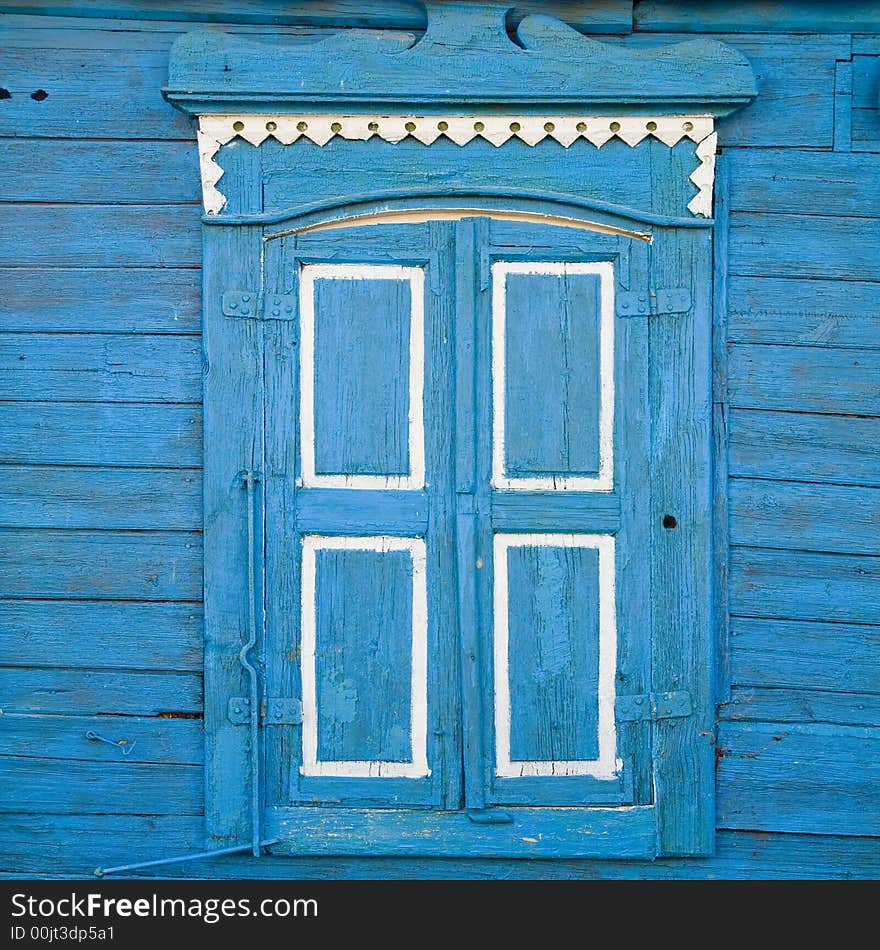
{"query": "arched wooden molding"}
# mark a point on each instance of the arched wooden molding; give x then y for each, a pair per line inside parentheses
(464, 78)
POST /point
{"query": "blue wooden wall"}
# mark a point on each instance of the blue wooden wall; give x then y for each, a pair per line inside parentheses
(100, 440)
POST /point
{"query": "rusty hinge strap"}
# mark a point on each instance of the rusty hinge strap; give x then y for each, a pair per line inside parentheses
(653, 706)
(643, 303)
(250, 305)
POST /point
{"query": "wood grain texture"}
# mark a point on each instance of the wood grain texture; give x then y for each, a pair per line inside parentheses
(144, 739)
(816, 778)
(130, 636)
(102, 300)
(67, 692)
(759, 704)
(41, 496)
(804, 245)
(100, 236)
(100, 368)
(804, 379)
(101, 435)
(799, 585)
(756, 16)
(594, 16)
(834, 518)
(791, 181)
(805, 447)
(39, 785)
(98, 565)
(840, 657)
(803, 312)
(98, 93)
(103, 172)
(76, 844)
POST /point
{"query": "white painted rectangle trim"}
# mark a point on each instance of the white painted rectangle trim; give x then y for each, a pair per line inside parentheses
(417, 767)
(604, 481)
(607, 766)
(415, 277)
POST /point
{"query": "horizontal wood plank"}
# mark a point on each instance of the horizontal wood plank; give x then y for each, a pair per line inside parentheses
(805, 447)
(795, 181)
(102, 300)
(67, 692)
(101, 635)
(815, 779)
(804, 379)
(91, 93)
(101, 434)
(804, 245)
(756, 16)
(99, 565)
(596, 16)
(807, 517)
(757, 704)
(77, 844)
(139, 739)
(100, 236)
(85, 367)
(803, 312)
(39, 785)
(101, 172)
(39, 496)
(801, 655)
(800, 585)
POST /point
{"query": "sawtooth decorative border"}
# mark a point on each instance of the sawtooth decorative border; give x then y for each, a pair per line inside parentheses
(217, 130)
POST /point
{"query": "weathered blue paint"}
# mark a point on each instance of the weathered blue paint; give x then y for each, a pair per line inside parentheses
(102, 450)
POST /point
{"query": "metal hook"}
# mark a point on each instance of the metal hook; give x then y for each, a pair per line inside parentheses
(123, 744)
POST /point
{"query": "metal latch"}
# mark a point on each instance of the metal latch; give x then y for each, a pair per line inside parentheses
(653, 706)
(273, 711)
(253, 306)
(631, 303)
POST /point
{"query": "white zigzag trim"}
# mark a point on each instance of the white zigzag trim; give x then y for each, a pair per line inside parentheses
(216, 130)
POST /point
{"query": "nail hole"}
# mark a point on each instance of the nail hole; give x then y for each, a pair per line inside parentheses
(39, 95)
(443, 126)
(615, 126)
(271, 126)
(669, 521)
(549, 126)
(5, 94)
(302, 126)
(336, 127)
(581, 126)
(238, 126)
(410, 126)
(651, 126)
(515, 126)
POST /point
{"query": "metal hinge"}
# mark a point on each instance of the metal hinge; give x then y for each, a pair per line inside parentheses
(653, 706)
(273, 712)
(631, 303)
(253, 306)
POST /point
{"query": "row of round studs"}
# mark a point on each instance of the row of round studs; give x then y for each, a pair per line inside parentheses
(443, 126)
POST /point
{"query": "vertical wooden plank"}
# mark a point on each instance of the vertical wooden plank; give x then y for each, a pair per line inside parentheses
(720, 409)
(473, 545)
(680, 385)
(843, 107)
(441, 336)
(282, 539)
(233, 444)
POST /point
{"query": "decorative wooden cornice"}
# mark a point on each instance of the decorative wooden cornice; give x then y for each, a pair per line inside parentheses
(465, 62)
